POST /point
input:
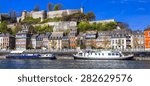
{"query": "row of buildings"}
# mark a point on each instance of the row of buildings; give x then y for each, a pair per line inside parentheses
(116, 39)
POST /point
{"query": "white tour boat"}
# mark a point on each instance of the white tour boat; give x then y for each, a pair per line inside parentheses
(102, 55)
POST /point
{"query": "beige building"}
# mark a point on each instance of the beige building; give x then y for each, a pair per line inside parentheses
(55, 41)
(7, 41)
(138, 40)
(104, 40)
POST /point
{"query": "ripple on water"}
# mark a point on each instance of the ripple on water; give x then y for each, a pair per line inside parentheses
(74, 64)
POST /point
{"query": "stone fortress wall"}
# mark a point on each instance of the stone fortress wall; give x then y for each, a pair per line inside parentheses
(60, 26)
(51, 14)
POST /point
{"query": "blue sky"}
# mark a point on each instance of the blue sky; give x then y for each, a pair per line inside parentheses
(134, 12)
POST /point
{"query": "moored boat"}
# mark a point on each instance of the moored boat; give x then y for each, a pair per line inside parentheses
(30, 56)
(102, 55)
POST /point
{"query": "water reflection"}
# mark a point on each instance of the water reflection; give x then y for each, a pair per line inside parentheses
(74, 64)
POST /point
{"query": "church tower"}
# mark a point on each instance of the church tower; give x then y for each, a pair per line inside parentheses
(82, 10)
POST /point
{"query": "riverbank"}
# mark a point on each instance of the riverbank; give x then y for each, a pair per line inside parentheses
(69, 57)
(2, 57)
(141, 58)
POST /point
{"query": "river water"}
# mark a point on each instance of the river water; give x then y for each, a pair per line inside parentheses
(73, 64)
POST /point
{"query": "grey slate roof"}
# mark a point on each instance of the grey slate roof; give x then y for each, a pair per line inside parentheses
(6, 35)
(56, 35)
(105, 33)
(138, 32)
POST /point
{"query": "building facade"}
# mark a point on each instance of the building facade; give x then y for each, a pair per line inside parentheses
(55, 41)
(34, 41)
(147, 38)
(138, 40)
(104, 40)
(72, 38)
(7, 41)
(91, 37)
(121, 39)
(65, 42)
(23, 39)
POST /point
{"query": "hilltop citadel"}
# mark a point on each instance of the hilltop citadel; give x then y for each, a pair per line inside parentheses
(61, 29)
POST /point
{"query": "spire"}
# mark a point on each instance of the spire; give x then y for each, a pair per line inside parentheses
(82, 8)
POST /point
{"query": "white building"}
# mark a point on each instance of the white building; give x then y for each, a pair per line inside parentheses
(121, 39)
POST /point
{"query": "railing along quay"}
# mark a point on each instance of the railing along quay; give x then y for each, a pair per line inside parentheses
(74, 50)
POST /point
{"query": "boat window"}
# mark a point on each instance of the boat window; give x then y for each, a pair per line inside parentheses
(117, 54)
(80, 54)
(109, 54)
(113, 54)
(102, 53)
(95, 53)
(99, 54)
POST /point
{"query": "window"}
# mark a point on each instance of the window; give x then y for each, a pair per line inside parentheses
(109, 54)
(113, 54)
(149, 33)
(113, 42)
(122, 41)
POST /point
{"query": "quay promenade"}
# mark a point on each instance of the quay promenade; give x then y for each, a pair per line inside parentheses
(70, 51)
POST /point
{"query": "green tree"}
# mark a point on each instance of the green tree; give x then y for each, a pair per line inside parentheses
(78, 17)
(32, 30)
(50, 6)
(43, 29)
(90, 16)
(110, 26)
(48, 28)
(36, 8)
(57, 7)
(30, 20)
(83, 26)
(122, 25)
(16, 29)
(3, 27)
(38, 28)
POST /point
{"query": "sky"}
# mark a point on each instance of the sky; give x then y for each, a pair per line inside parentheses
(134, 12)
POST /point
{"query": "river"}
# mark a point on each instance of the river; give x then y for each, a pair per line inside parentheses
(73, 64)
